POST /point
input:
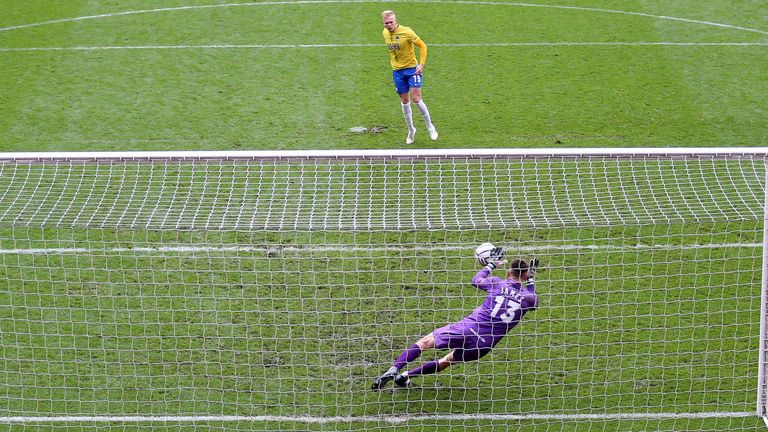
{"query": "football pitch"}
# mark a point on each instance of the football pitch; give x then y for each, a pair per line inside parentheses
(258, 329)
(198, 75)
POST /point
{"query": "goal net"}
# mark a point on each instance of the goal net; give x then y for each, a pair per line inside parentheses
(266, 290)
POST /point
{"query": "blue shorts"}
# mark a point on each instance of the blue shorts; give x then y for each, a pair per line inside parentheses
(406, 79)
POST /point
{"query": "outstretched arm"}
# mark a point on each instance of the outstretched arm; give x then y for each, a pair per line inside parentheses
(530, 299)
(530, 285)
(532, 267)
(483, 279)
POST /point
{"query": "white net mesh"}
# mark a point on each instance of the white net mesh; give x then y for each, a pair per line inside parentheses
(267, 293)
(380, 193)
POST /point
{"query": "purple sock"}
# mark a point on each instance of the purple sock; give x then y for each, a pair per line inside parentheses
(427, 368)
(407, 356)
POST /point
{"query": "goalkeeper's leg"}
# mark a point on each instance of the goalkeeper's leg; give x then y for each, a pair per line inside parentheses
(384, 378)
(408, 355)
(455, 356)
(430, 367)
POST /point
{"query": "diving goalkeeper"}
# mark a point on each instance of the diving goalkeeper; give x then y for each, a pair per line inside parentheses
(508, 300)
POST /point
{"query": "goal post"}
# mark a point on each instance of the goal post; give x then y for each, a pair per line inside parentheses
(267, 289)
(762, 386)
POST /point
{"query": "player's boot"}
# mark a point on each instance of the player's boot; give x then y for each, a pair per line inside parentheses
(402, 381)
(432, 132)
(411, 134)
(381, 381)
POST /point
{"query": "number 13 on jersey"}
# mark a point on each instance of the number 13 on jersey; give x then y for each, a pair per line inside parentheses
(511, 307)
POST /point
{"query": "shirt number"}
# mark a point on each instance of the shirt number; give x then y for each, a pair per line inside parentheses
(509, 313)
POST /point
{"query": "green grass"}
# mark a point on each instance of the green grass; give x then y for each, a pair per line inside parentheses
(301, 331)
(308, 98)
(243, 333)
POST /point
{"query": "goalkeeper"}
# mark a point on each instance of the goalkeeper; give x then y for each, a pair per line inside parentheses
(474, 336)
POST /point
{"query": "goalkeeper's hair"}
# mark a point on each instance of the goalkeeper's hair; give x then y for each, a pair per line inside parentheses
(518, 267)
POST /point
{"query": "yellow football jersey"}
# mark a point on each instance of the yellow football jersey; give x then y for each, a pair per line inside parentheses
(400, 43)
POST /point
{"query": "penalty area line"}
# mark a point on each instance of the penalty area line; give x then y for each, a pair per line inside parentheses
(378, 419)
(369, 45)
(451, 2)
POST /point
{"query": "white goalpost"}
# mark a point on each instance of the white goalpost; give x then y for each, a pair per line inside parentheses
(265, 290)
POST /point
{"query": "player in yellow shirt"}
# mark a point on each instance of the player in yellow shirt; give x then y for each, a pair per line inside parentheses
(407, 73)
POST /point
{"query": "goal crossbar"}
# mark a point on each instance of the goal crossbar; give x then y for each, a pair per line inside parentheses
(388, 153)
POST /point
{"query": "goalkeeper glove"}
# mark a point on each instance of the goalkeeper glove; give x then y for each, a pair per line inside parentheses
(497, 258)
(533, 265)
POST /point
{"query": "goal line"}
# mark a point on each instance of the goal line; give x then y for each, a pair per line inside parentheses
(384, 419)
(415, 248)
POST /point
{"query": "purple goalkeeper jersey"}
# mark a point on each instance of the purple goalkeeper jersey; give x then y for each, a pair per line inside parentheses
(504, 306)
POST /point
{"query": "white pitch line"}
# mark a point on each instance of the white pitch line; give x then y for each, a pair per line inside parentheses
(397, 419)
(161, 47)
(640, 43)
(452, 2)
(329, 45)
(344, 248)
(621, 12)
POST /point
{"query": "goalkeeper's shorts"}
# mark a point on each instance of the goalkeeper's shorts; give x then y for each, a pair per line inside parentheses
(469, 340)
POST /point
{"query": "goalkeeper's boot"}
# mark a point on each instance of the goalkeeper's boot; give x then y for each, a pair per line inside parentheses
(411, 135)
(432, 132)
(403, 381)
(381, 381)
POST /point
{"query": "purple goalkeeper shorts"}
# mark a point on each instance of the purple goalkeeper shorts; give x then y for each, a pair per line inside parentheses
(469, 341)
